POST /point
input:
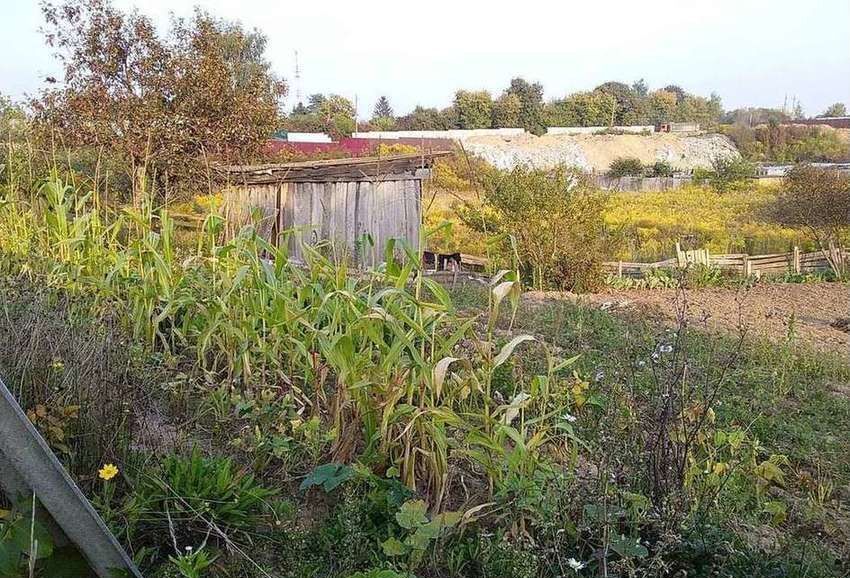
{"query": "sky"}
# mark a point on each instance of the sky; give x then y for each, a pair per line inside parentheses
(752, 53)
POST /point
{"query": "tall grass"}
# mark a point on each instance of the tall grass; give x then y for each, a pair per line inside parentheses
(382, 355)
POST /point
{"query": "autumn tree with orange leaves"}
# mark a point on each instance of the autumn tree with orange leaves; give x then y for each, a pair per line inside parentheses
(165, 104)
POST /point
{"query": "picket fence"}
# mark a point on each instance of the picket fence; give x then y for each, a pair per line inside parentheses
(794, 261)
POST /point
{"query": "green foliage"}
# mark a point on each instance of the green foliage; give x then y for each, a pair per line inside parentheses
(420, 532)
(192, 564)
(728, 174)
(328, 477)
(581, 109)
(551, 220)
(190, 496)
(625, 167)
(473, 109)
(530, 98)
(779, 143)
(837, 109)
(382, 109)
(421, 118)
(127, 88)
(507, 110)
(661, 169)
(817, 201)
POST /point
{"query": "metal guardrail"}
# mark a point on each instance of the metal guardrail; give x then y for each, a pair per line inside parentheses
(28, 463)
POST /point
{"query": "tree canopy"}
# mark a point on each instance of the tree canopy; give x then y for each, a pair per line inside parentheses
(202, 89)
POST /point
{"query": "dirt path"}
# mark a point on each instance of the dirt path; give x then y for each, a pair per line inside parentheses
(766, 310)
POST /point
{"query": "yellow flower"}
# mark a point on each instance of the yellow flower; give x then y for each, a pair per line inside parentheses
(107, 472)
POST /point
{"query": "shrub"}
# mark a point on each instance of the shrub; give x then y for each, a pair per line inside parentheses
(551, 220)
(661, 169)
(727, 174)
(817, 201)
(625, 167)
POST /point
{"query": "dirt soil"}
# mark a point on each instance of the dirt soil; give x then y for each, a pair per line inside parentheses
(765, 310)
(597, 151)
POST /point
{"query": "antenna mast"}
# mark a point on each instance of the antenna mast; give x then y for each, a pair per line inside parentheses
(298, 96)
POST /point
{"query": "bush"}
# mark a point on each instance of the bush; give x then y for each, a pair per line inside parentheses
(625, 167)
(661, 169)
(818, 202)
(727, 174)
(552, 221)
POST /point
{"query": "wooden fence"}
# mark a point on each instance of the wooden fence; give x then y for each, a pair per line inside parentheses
(795, 261)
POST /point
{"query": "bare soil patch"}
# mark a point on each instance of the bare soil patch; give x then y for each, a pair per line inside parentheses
(767, 310)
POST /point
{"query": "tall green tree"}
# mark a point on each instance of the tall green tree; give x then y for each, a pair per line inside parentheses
(421, 118)
(382, 108)
(581, 109)
(626, 102)
(530, 96)
(837, 109)
(507, 111)
(474, 109)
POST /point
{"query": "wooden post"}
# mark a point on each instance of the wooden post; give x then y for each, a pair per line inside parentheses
(620, 269)
(748, 267)
(796, 259)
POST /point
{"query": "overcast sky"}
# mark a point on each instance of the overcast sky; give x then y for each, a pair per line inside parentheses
(752, 53)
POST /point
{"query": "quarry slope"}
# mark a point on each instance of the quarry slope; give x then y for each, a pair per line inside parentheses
(596, 151)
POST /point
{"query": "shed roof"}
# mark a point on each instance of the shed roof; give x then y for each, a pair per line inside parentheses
(333, 170)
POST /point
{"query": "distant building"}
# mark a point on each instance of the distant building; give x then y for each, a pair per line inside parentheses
(677, 127)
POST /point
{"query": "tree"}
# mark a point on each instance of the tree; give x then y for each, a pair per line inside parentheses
(661, 106)
(507, 111)
(473, 108)
(837, 109)
(640, 88)
(337, 115)
(677, 90)
(581, 109)
(422, 118)
(817, 200)
(530, 96)
(162, 103)
(382, 109)
(705, 111)
(626, 101)
(314, 101)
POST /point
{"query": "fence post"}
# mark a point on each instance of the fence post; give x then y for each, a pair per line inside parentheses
(748, 267)
(620, 269)
(796, 257)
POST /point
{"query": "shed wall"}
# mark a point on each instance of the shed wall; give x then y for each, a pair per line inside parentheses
(339, 212)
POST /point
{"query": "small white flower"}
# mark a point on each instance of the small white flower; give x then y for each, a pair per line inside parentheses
(600, 375)
(569, 417)
(575, 564)
(641, 363)
(188, 549)
(666, 348)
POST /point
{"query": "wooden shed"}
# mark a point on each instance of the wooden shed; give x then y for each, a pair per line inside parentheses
(358, 204)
